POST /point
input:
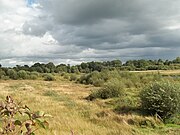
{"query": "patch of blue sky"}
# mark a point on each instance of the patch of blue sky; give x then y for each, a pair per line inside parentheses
(30, 2)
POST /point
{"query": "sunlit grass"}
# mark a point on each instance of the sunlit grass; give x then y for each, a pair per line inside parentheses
(71, 112)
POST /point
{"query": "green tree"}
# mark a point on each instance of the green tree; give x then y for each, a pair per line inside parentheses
(22, 74)
(12, 74)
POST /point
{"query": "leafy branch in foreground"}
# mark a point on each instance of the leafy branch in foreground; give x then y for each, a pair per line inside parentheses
(16, 119)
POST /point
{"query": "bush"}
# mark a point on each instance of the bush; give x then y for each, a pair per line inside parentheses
(22, 74)
(113, 88)
(33, 75)
(63, 73)
(66, 76)
(49, 77)
(12, 74)
(83, 79)
(2, 73)
(95, 78)
(5, 77)
(162, 98)
(73, 77)
(174, 119)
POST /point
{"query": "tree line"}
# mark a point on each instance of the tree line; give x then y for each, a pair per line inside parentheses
(88, 67)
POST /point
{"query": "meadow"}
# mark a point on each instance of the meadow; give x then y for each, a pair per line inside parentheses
(66, 100)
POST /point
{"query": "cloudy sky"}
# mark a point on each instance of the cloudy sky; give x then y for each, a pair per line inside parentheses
(72, 31)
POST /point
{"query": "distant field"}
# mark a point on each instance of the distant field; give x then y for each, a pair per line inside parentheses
(65, 101)
(165, 72)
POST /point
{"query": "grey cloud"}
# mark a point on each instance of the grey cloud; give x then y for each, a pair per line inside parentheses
(86, 30)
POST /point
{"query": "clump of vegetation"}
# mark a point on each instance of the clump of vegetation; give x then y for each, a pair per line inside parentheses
(17, 119)
(12, 74)
(73, 77)
(49, 77)
(33, 75)
(174, 119)
(113, 88)
(22, 74)
(2, 73)
(66, 76)
(162, 98)
(95, 78)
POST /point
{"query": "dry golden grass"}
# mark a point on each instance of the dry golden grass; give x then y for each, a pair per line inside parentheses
(71, 112)
(165, 72)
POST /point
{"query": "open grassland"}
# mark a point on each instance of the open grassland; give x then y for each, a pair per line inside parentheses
(65, 101)
(163, 72)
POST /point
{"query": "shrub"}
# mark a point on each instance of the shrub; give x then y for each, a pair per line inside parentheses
(73, 77)
(33, 75)
(22, 74)
(12, 74)
(63, 73)
(2, 73)
(5, 77)
(95, 78)
(113, 88)
(98, 82)
(174, 119)
(49, 77)
(66, 76)
(162, 98)
(84, 79)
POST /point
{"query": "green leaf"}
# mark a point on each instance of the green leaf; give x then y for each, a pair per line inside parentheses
(40, 113)
(40, 123)
(28, 113)
(32, 134)
(17, 122)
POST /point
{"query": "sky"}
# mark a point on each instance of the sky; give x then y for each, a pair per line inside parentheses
(75, 31)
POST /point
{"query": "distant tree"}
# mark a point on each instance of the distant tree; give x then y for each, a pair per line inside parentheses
(84, 65)
(68, 68)
(61, 68)
(2, 73)
(142, 63)
(51, 66)
(22, 74)
(46, 70)
(116, 63)
(12, 74)
(74, 69)
(160, 62)
(177, 60)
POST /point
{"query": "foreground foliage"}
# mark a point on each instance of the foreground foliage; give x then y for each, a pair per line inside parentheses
(17, 119)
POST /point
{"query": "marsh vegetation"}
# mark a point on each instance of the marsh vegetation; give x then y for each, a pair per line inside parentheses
(109, 102)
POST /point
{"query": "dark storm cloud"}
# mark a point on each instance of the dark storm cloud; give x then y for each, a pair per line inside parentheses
(81, 12)
(85, 30)
(115, 24)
